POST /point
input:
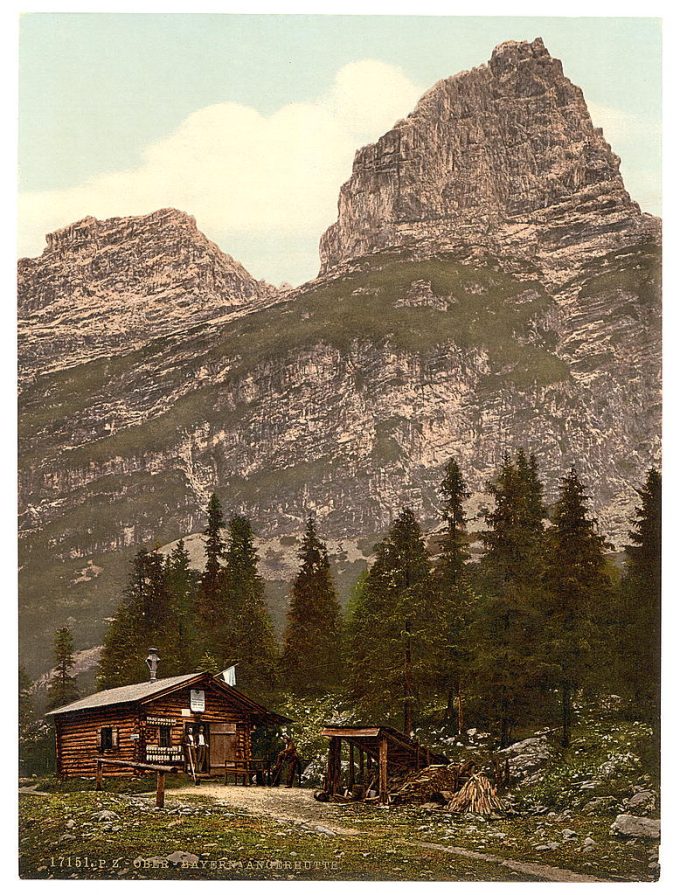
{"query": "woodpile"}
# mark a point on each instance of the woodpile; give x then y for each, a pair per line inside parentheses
(436, 783)
(477, 796)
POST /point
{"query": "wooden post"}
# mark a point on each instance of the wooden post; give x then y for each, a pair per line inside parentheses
(362, 779)
(160, 789)
(329, 768)
(337, 765)
(350, 782)
(382, 789)
(99, 777)
(334, 746)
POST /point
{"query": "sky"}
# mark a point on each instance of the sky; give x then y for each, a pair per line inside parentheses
(250, 123)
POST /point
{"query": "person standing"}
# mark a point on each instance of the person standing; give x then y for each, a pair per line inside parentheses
(287, 765)
(190, 750)
(201, 750)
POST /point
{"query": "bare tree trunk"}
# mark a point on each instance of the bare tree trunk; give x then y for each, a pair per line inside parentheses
(408, 684)
(459, 702)
(566, 715)
(505, 733)
(448, 714)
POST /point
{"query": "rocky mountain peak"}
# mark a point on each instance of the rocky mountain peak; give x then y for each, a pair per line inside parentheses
(103, 286)
(502, 160)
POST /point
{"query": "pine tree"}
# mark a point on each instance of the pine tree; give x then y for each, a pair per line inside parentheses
(179, 645)
(29, 726)
(508, 624)
(351, 633)
(453, 587)
(640, 636)
(577, 581)
(249, 638)
(140, 622)
(398, 631)
(63, 688)
(36, 740)
(211, 596)
(311, 653)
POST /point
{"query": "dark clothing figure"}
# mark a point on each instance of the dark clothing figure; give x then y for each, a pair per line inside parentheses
(201, 751)
(190, 751)
(287, 765)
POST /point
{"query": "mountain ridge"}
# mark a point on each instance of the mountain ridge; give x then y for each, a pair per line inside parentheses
(105, 286)
(344, 396)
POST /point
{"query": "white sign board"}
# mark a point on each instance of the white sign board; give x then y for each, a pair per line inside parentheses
(197, 701)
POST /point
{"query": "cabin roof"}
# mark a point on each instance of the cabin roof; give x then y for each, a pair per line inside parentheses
(134, 693)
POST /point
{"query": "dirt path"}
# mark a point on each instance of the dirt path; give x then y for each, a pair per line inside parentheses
(297, 806)
(540, 871)
(31, 790)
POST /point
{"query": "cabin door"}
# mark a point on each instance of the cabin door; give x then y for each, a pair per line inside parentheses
(222, 746)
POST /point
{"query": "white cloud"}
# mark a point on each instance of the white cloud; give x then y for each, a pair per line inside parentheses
(240, 172)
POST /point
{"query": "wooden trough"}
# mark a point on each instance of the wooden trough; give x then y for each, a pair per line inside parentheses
(373, 753)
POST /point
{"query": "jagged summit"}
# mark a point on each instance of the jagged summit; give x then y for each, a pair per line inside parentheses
(102, 286)
(501, 160)
(89, 231)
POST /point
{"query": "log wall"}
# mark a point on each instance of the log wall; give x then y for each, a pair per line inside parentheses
(78, 740)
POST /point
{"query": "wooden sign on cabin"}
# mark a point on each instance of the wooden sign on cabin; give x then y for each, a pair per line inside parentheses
(197, 701)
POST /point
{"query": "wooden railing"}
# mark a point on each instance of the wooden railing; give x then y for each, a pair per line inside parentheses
(160, 769)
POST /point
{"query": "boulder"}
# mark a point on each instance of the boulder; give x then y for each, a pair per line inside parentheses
(527, 756)
(630, 825)
(601, 805)
(642, 802)
(105, 816)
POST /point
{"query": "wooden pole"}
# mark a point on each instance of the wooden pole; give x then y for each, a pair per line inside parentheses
(100, 776)
(334, 746)
(337, 765)
(329, 768)
(351, 766)
(160, 789)
(361, 766)
(382, 789)
(459, 700)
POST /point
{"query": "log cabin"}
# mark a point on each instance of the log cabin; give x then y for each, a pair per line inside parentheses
(148, 722)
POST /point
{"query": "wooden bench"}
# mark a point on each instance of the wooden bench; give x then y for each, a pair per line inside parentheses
(245, 768)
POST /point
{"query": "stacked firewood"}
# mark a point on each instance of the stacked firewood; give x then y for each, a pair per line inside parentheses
(477, 796)
(435, 783)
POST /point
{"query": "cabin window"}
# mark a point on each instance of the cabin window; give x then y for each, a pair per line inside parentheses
(108, 739)
(164, 736)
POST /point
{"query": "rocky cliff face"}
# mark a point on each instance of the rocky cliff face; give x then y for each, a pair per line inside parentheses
(490, 287)
(501, 161)
(103, 287)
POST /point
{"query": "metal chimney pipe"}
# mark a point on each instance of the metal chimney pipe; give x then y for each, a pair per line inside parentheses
(152, 661)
